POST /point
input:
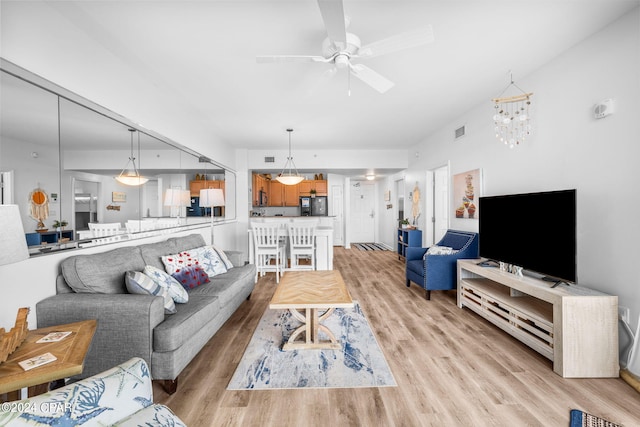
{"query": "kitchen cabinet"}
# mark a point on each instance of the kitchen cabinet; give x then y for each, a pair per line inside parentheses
(283, 195)
(319, 185)
(196, 185)
(259, 184)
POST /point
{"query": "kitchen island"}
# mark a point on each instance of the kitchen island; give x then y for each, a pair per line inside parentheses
(324, 236)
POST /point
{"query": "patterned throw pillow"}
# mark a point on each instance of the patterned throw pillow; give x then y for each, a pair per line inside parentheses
(210, 260)
(140, 283)
(440, 250)
(223, 257)
(173, 287)
(191, 277)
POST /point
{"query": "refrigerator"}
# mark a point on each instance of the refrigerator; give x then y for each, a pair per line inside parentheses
(313, 206)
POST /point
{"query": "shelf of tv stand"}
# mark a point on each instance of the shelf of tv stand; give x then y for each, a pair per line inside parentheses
(575, 327)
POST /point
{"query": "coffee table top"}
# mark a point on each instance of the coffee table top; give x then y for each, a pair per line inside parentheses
(311, 289)
(70, 353)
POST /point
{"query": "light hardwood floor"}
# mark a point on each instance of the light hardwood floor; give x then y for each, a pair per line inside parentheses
(452, 367)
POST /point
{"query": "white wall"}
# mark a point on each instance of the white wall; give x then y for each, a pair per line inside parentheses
(569, 149)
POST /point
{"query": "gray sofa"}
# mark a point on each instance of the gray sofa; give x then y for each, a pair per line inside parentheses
(131, 325)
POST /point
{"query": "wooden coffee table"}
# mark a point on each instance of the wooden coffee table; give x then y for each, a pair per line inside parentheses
(70, 353)
(311, 297)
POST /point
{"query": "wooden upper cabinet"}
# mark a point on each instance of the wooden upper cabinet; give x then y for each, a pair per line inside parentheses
(283, 195)
(259, 184)
(197, 185)
(291, 195)
(321, 187)
(306, 186)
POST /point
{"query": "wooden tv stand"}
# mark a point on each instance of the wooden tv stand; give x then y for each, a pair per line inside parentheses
(575, 327)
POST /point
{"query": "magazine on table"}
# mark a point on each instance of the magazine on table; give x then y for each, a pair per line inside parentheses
(34, 362)
(54, 337)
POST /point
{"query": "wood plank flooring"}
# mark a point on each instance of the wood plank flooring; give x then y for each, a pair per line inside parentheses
(452, 367)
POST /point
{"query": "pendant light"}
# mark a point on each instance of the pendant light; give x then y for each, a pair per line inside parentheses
(131, 176)
(287, 177)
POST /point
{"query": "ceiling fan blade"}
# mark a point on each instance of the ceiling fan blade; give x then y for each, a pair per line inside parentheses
(398, 42)
(370, 77)
(263, 59)
(333, 16)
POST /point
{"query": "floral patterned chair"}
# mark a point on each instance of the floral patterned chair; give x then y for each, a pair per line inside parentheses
(120, 396)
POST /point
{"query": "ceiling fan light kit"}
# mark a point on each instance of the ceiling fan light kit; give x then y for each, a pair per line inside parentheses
(131, 177)
(340, 47)
(511, 116)
(287, 176)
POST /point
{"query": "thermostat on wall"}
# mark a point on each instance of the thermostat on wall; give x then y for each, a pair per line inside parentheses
(603, 108)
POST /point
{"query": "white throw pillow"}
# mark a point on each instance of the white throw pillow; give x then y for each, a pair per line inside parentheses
(209, 260)
(440, 250)
(223, 257)
(168, 282)
(139, 283)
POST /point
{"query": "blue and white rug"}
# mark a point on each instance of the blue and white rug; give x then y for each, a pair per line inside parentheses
(359, 363)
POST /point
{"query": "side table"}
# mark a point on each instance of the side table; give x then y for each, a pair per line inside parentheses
(70, 354)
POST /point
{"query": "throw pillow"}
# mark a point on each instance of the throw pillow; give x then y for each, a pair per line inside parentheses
(173, 287)
(191, 277)
(440, 250)
(176, 262)
(209, 260)
(139, 283)
(223, 257)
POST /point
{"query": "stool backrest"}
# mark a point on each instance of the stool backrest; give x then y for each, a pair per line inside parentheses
(266, 235)
(302, 234)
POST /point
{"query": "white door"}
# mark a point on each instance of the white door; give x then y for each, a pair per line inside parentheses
(338, 215)
(440, 202)
(362, 214)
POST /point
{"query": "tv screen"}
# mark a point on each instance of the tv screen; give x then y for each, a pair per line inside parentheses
(536, 231)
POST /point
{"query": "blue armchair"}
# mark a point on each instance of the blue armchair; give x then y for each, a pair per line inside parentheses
(438, 271)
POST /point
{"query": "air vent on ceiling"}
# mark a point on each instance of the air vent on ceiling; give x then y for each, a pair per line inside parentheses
(270, 159)
(460, 132)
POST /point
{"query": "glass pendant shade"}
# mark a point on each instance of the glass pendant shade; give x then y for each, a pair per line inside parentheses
(287, 176)
(131, 176)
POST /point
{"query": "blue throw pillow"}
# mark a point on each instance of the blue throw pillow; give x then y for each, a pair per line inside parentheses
(140, 283)
(173, 287)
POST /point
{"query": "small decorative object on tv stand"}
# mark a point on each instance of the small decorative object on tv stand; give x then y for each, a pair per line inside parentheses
(11, 340)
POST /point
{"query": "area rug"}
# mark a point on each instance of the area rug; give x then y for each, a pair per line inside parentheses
(359, 362)
(370, 246)
(582, 419)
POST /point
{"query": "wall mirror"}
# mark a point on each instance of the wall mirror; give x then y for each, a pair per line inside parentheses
(66, 150)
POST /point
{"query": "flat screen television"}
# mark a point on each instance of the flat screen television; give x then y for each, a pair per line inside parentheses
(536, 231)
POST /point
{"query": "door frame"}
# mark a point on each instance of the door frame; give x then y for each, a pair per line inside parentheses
(431, 202)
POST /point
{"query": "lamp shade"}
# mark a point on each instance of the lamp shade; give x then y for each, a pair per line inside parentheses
(176, 197)
(13, 244)
(211, 197)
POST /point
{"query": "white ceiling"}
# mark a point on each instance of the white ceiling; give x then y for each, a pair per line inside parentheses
(201, 55)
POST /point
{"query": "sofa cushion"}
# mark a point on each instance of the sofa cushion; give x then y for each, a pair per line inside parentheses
(140, 283)
(102, 273)
(174, 288)
(152, 252)
(185, 243)
(226, 286)
(177, 329)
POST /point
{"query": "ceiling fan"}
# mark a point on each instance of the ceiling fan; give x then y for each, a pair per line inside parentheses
(340, 47)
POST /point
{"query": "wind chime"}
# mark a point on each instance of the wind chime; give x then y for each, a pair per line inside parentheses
(511, 116)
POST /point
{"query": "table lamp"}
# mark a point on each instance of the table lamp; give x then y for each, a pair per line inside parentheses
(174, 197)
(211, 197)
(13, 244)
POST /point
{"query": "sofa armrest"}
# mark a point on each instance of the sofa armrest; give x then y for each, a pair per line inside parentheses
(130, 319)
(413, 253)
(236, 258)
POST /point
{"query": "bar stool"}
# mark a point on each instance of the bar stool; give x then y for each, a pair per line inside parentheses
(302, 244)
(268, 246)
